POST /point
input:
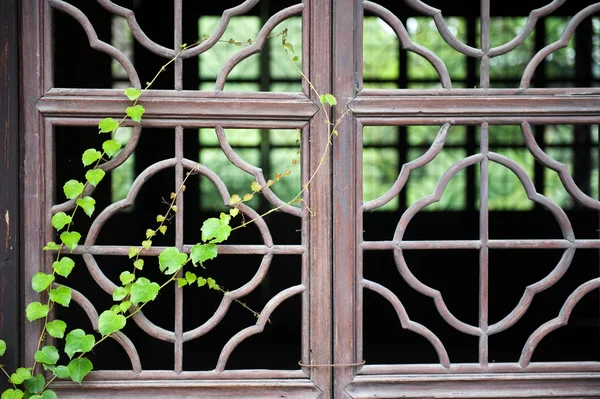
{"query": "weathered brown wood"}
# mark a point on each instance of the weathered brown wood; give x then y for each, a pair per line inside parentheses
(577, 385)
(34, 228)
(442, 104)
(347, 77)
(10, 188)
(318, 19)
(180, 106)
(160, 389)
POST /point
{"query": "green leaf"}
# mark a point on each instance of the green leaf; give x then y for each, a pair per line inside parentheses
(36, 310)
(139, 264)
(73, 189)
(124, 306)
(212, 284)
(40, 281)
(70, 239)
(35, 384)
(135, 113)
(61, 295)
(160, 218)
(335, 132)
(111, 147)
(56, 328)
(255, 186)
(143, 290)
(60, 220)
(171, 260)
(132, 93)
(2, 347)
(120, 293)
(79, 368)
(78, 341)
(235, 199)
(87, 204)
(51, 246)
(203, 252)
(181, 282)
(12, 394)
(61, 372)
(107, 125)
(201, 281)
(234, 212)
(90, 156)
(289, 46)
(296, 58)
(94, 176)
(215, 229)
(329, 99)
(163, 229)
(20, 375)
(190, 277)
(110, 321)
(126, 278)
(47, 355)
(150, 233)
(50, 394)
(64, 266)
(133, 251)
(146, 244)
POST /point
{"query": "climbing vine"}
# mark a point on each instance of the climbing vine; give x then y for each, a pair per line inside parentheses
(135, 291)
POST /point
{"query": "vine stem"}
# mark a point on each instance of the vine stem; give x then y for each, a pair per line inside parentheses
(7, 376)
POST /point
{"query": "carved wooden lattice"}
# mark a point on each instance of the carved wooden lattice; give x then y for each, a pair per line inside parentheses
(332, 248)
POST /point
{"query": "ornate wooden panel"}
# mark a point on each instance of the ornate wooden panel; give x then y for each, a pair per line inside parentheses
(415, 275)
(58, 104)
(396, 299)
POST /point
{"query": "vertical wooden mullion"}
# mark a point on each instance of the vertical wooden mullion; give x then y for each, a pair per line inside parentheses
(316, 52)
(10, 187)
(347, 67)
(35, 16)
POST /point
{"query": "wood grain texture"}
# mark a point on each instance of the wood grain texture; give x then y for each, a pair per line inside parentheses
(9, 186)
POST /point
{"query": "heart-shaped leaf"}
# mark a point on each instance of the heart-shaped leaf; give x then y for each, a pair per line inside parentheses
(126, 277)
(94, 176)
(64, 266)
(60, 220)
(40, 281)
(88, 204)
(61, 295)
(12, 394)
(132, 93)
(35, 384)
(20, 375)
(73, 189)
(78, 341)
(143, 290)
(79, 368)
(36, 310)
(171, 260)
(2, 347)
(90, 156)
(56, 328)
(110, 321)
(70, 239)
(203, 252)
(47, 355)
(107, 125)
(111, 147)
(120, 293)
(135, 113)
